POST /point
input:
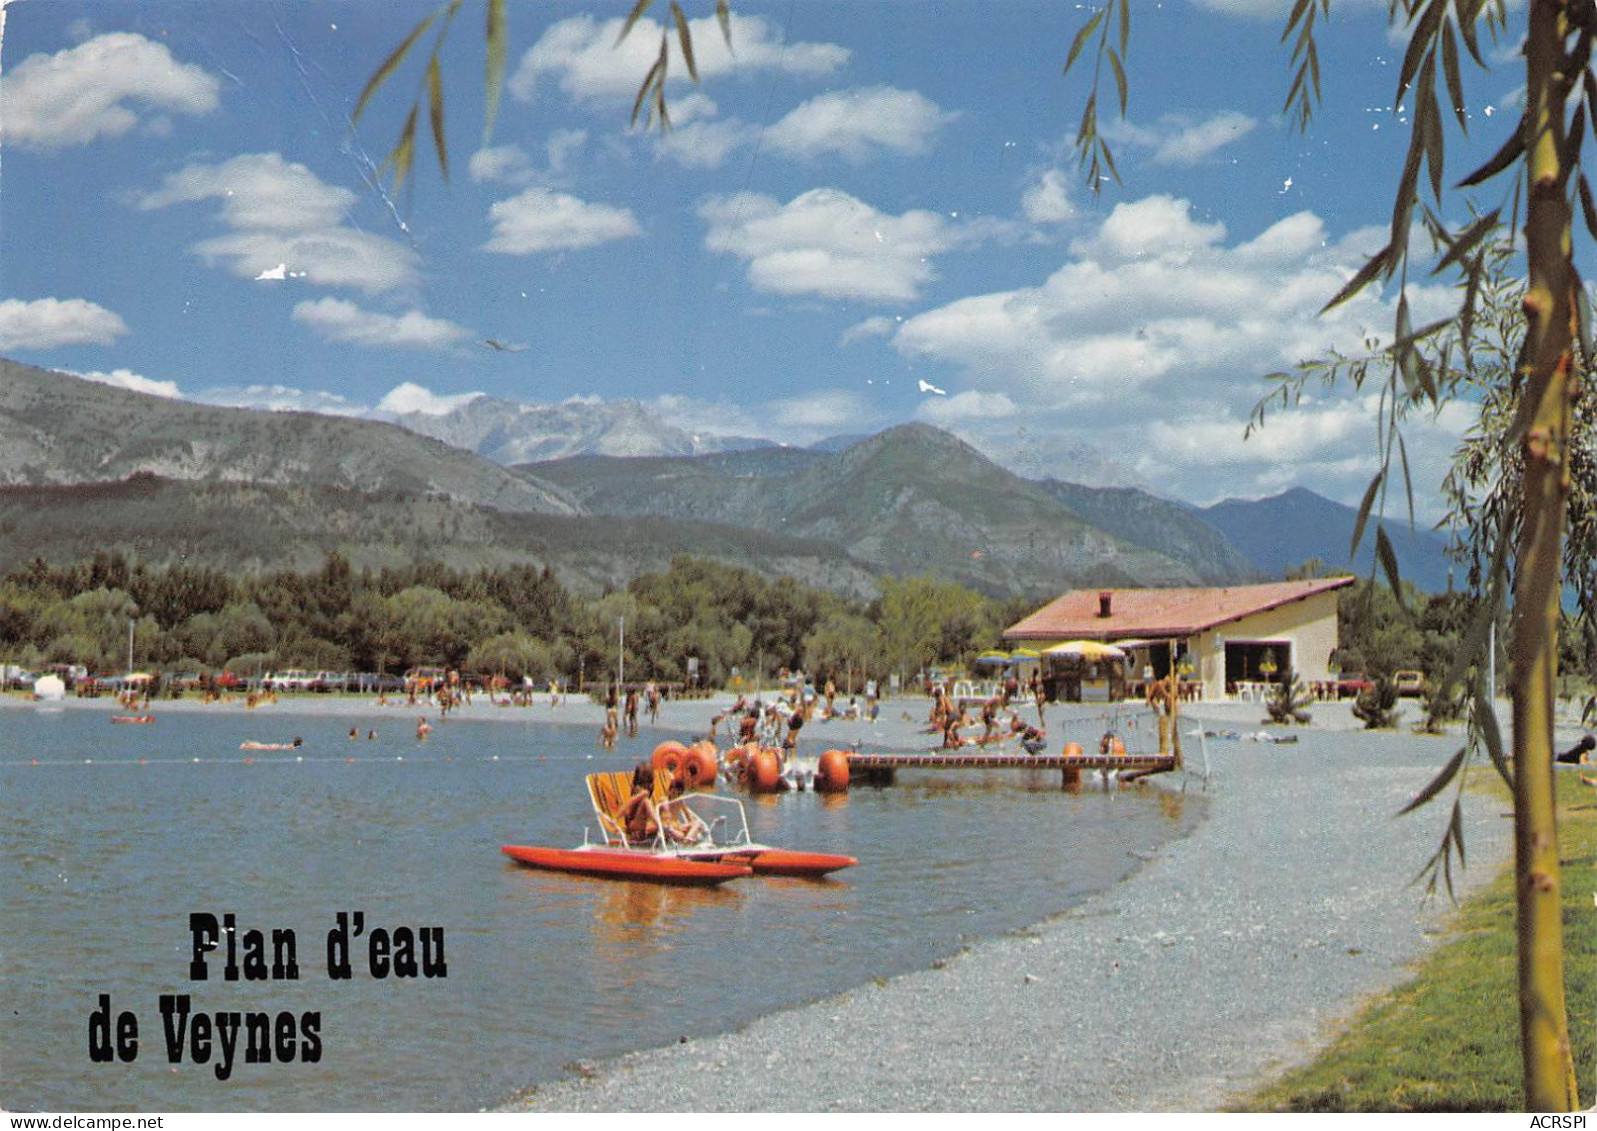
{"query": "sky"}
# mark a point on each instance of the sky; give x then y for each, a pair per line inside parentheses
(865, 213)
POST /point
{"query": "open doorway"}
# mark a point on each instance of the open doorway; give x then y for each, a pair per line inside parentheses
(1256, 661)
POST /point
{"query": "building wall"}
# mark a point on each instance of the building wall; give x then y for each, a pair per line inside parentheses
(1308, 626)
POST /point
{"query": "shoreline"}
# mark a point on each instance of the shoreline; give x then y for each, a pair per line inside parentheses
(1231, 955)
(1228, 956)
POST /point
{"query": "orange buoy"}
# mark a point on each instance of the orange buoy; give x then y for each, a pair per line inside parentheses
(765, 771)
(697, 770)
(831, 773)
(1072, 750)
(667, 758)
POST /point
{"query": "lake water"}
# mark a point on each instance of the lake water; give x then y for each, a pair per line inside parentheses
(119, 833)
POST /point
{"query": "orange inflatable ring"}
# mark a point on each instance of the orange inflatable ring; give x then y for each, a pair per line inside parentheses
(765, 772)
(697, 769)
(831, 773)
(1072, 750)
(667, 758)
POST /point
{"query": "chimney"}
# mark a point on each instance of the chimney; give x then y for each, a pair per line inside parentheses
(1105, 597)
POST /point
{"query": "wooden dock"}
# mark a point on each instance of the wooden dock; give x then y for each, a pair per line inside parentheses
(880, 769)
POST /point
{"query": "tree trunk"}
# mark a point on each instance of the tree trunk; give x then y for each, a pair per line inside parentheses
(1547, 389)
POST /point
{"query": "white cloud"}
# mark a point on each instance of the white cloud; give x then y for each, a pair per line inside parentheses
(83, 93)
(827, 243)
(338, 321)
(965, 407)
(410, 397)
(127, 379)
(281, 398)
(562, 145)
(857, 124)
(258, 190)
(1151, 338)
(332, 257)
(815, 415)
(1188, 144)
(281, 212)
(1048, 201)
(703, 144)
(1181, 139)
(49, 322)
(511, 164)
(878, 327)
(539, 220)
(501, 164)
(583, 58)
(707, 418)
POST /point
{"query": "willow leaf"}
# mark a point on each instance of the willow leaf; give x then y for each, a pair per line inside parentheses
(1378, 263)
(1388, 558)
(1455, 82)
(1513, 148)
(493, 82)
(1492, 735)
(1364, 512)
(1419, 45)
(403, 156)
(685, 38)
(435, 113)
(1082, 36)
(1438, 783)
(723, 16)
(656, 75)
(633, 17)
(390, 64)
(1431, 129)
(1408, 481)
(1120, 80)
(1466, 241)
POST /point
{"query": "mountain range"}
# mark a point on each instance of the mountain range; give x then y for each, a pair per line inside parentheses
(510, 432)
(1288, 529)
(87, 466)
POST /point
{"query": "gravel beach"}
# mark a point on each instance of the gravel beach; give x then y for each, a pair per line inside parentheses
(1229, 955)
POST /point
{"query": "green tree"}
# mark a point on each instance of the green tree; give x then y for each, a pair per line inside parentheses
(844, 644)
(924, 622)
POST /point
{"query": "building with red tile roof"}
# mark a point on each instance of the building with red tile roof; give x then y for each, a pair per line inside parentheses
(1228, 637)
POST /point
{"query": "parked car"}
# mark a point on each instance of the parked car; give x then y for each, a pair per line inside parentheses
(375, 682)
(291, 679)
(1409, 682)
(1348, 686)
(329, 681)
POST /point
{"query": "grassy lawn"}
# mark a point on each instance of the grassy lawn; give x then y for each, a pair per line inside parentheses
(1448, 1040)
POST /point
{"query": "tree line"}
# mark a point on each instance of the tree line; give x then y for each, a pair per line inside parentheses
(523, 622)
(697, 619)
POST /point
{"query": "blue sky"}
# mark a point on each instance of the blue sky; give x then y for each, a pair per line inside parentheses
(867, 213)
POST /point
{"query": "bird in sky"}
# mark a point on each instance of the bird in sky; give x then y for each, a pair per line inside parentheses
(502, 346)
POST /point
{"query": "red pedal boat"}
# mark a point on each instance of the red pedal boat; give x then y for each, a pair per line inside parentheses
(689, 845)
(627, 864)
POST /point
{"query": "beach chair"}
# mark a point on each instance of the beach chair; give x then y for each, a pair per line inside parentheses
(609, 792)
